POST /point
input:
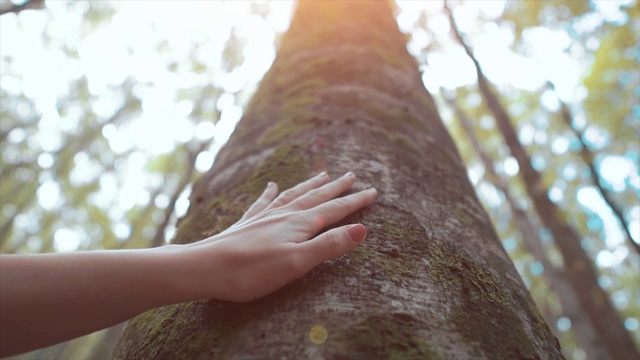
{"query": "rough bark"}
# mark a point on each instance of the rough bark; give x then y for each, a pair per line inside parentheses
(588, 157)
(585, 334)
(578, 267)
(432, 280)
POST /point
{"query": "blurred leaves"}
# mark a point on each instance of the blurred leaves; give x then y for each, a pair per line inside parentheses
(614, 80)
(71, 152)
(525, 14)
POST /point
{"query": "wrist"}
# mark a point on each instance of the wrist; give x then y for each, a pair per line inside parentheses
(188, 272)
(172, 271)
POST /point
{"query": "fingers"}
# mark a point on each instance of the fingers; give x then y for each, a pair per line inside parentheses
(337, 209)
(290, 195)
(269, 193)
(331, 244)
(324, 193)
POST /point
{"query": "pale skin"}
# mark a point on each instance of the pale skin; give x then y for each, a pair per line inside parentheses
(49, 298)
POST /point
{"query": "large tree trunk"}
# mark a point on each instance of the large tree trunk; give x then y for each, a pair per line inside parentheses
(578, 267)
(431, 281)
(585, 334)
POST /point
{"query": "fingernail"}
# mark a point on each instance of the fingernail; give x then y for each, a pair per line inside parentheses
(372, 190)
(357, 232)
(270, 185)
(349, 174)
(322, 174)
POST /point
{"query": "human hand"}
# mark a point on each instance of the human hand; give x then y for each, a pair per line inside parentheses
(268, 248)
(272, 244)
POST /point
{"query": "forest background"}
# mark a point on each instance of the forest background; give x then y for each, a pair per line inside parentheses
(109, 110)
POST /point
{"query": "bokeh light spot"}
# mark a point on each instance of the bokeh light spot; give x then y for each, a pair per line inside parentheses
(564, 324)
(318, 334)
(632, 324)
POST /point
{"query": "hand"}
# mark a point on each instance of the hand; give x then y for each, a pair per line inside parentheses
(268, 248)
(275, 241)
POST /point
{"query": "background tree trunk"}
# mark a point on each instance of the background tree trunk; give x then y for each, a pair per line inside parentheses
(578, 267)
(588, 157)
(432, 280)
(583, 330)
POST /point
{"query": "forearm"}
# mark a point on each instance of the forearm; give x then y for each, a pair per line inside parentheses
(45, 299)
(49, 298)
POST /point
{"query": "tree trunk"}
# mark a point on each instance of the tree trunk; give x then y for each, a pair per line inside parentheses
(585, 334)
(577, 265)
(432, 280)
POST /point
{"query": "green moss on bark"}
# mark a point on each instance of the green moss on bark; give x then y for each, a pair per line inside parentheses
(386, 336)
(362, 253)
(430, 350)
(452, 267)
(407, 233)
(404, 141)
(397, 268)
(287, 166)
(288, 127)
(396, 263)
(486, 314)
(460, 214)
(394, 58)
(494, 329)
(167, 325)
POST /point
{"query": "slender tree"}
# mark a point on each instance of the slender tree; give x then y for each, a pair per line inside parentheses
(585, 334)
(588, 158)
(432, 280)
(578, 267)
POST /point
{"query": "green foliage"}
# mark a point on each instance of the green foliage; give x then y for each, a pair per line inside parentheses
(614, 81)
(524, 14)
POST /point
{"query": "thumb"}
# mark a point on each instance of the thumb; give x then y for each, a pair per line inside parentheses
(333, 243)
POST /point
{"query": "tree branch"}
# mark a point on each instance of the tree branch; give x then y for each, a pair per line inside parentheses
(31, 4)
(158, 239)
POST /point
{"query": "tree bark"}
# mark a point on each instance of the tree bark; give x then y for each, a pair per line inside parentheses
(585, 334)
(432, 281)
(578, 267)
